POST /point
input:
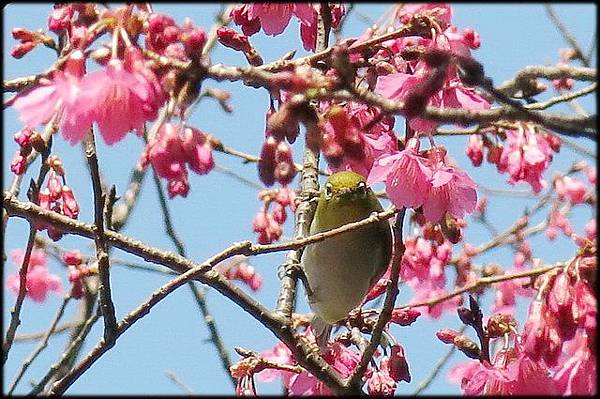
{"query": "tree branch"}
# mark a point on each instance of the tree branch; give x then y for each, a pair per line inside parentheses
(353, 382)
(106, 304)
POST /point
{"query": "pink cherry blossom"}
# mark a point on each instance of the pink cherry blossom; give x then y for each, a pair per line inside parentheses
(355, 148)
(406, 176)
(272, 17)
(513, 373)
(123, 96)
(452, 191)
(526, 155)
(463, 371)
(198, 151)
(475, 149)
(39, 280)
(452, 93)
(381, 384)
(570, 188)
(62, 93)
(280, 354)
(343, 361)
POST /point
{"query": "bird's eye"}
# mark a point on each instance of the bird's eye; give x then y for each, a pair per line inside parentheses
(328, 191)
(362, 189)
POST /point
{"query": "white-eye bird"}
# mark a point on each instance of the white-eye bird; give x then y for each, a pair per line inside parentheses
(340, 270)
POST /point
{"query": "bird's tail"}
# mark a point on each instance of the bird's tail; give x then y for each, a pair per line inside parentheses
(322, 331)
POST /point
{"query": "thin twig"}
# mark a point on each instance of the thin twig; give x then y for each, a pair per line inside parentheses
(437, 367)
(569, 38)
(15, 312)
(198, 292)
(41, 346)
(483, 282)
(67, 354)
(184, 387)
(33, 212)
(25, 337)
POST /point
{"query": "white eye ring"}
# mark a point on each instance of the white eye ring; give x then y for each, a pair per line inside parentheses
(362, 189)
(328, 191)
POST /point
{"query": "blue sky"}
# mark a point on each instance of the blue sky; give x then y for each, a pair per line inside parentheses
(219, 210)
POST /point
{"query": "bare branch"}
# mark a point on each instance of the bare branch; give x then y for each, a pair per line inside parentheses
(41, 346)
(106, 304)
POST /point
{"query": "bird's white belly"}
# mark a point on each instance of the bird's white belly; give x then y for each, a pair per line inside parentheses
(339, 272)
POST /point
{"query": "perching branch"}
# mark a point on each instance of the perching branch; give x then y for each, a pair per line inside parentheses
(353, 383)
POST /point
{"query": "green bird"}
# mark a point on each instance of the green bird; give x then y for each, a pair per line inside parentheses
(341, 270)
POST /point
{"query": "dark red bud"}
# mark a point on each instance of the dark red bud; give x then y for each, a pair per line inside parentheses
(266, 163)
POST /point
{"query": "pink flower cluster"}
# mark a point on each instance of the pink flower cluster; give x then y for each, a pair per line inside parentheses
(268, 225)
(342, 359)
(19, 162)
(174, 149)
(526, 155)
(421, 82)
(39, 280)
(274, 18)
(57, 197)
(512, 372)
(555, 353)
(120, 98)
(570, 188)
(165, 37)
(348, 146)
(77, 270)
(423, 269)
(413, 180)
(237, 268)
(276, 162)
(381, 381)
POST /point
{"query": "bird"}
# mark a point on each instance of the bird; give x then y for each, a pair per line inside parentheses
(340, 270)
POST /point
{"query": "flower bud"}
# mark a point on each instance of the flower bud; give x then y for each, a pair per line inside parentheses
(23, 35)
(466, 316)
(468, 347)
(23, 137)
(178, 186)
(266, 163)
(193, 42)
(72, 258)
(70, 205)
(285, 170)
(447, 335)
(279, 214)
(230, 38)
(284, 123)
(19, 50)
(19, 164)
(405, 317)
(54, 185)
(398, 365)
(378, 289)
